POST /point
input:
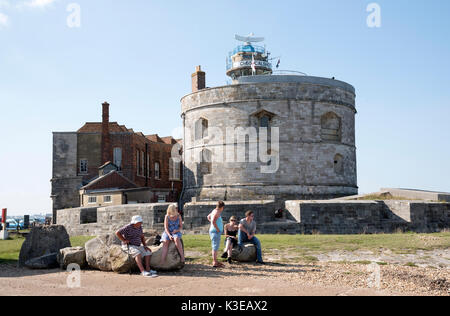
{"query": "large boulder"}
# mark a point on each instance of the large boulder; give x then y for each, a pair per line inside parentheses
(42, 241)
(76, 255)
(246, 253)
(97, 251)
(105, 253)
(122, 263)
(44, 262)
(173, 261)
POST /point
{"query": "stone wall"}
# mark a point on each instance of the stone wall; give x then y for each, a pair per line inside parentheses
(110, 219)
(65, 181)
(195, 213)
(355, 217)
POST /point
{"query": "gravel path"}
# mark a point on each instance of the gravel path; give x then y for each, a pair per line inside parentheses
(330, 279)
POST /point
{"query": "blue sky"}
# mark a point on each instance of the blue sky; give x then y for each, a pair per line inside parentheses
(139, 54)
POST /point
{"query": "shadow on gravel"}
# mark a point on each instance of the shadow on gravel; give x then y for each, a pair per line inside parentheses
(9, 269)
(241, 269)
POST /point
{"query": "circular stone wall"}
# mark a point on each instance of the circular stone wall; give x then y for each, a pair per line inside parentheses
(316, 156)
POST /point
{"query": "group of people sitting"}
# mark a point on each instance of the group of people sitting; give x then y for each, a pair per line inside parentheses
(235, 234)
(134, 244)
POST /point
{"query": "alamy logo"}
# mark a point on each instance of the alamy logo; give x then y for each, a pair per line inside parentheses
(236, 145)
(74, 278)
(74, 18)
(374, 18)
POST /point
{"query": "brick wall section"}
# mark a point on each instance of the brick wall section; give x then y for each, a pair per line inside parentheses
(86, 143)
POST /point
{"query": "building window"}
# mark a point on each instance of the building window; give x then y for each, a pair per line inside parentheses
(92, 200)
(157, 174)
(201, 129)
(206, 162)
(339, 164)
(161, 199)
(138, 162)
(83, 166)
(142, 163)
(174, 169)
(118, 157)
(331, 127)
(148, 166)
(107, 199)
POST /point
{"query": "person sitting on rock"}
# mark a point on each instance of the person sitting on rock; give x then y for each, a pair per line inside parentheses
(247, 230)
(231, 230)
(133, 243)
(173, 225)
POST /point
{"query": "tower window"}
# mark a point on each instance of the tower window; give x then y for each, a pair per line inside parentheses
(339, 164)
(201, 129)
(206, 162)
(331, 127)
(264, 121)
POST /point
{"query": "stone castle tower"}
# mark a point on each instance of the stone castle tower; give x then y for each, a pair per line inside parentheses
(313, 155)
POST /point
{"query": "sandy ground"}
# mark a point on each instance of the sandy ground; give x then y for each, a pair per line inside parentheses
(329, 279)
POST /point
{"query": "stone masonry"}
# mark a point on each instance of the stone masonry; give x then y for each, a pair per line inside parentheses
(316, 119)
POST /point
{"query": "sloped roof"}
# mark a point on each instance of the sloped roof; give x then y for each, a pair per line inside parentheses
(96, 127)
(112, 180)
(154, 138)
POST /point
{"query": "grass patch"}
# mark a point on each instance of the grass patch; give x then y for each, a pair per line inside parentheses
(308, 245)
(411, 264)
(310, 259)
(304, 247)
(10, 249)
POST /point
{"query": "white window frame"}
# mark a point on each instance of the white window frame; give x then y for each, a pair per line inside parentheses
(107, 196)
(92, 200)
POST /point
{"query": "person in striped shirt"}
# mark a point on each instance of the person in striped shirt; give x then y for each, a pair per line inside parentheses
(133, 243)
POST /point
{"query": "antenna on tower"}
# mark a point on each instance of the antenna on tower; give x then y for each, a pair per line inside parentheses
(249, 39)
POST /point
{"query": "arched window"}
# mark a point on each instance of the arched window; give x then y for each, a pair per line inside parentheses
(201, 129)
(331, 127)
(339, 164)
(206, 162)
(157, 172)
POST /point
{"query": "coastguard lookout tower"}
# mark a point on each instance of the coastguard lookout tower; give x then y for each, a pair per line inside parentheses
(248, 59)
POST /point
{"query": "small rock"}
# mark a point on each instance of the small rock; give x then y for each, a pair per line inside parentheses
(44, 262)
(69, 256)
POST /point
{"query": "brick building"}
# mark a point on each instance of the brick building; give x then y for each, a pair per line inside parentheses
(145, 160)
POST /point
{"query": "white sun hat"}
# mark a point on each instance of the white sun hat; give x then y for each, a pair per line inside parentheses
(136, 219)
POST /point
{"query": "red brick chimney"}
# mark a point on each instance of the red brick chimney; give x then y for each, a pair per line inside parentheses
(106, 142)
(198, 79)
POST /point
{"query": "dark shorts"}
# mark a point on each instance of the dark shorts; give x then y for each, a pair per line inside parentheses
(234, 241)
